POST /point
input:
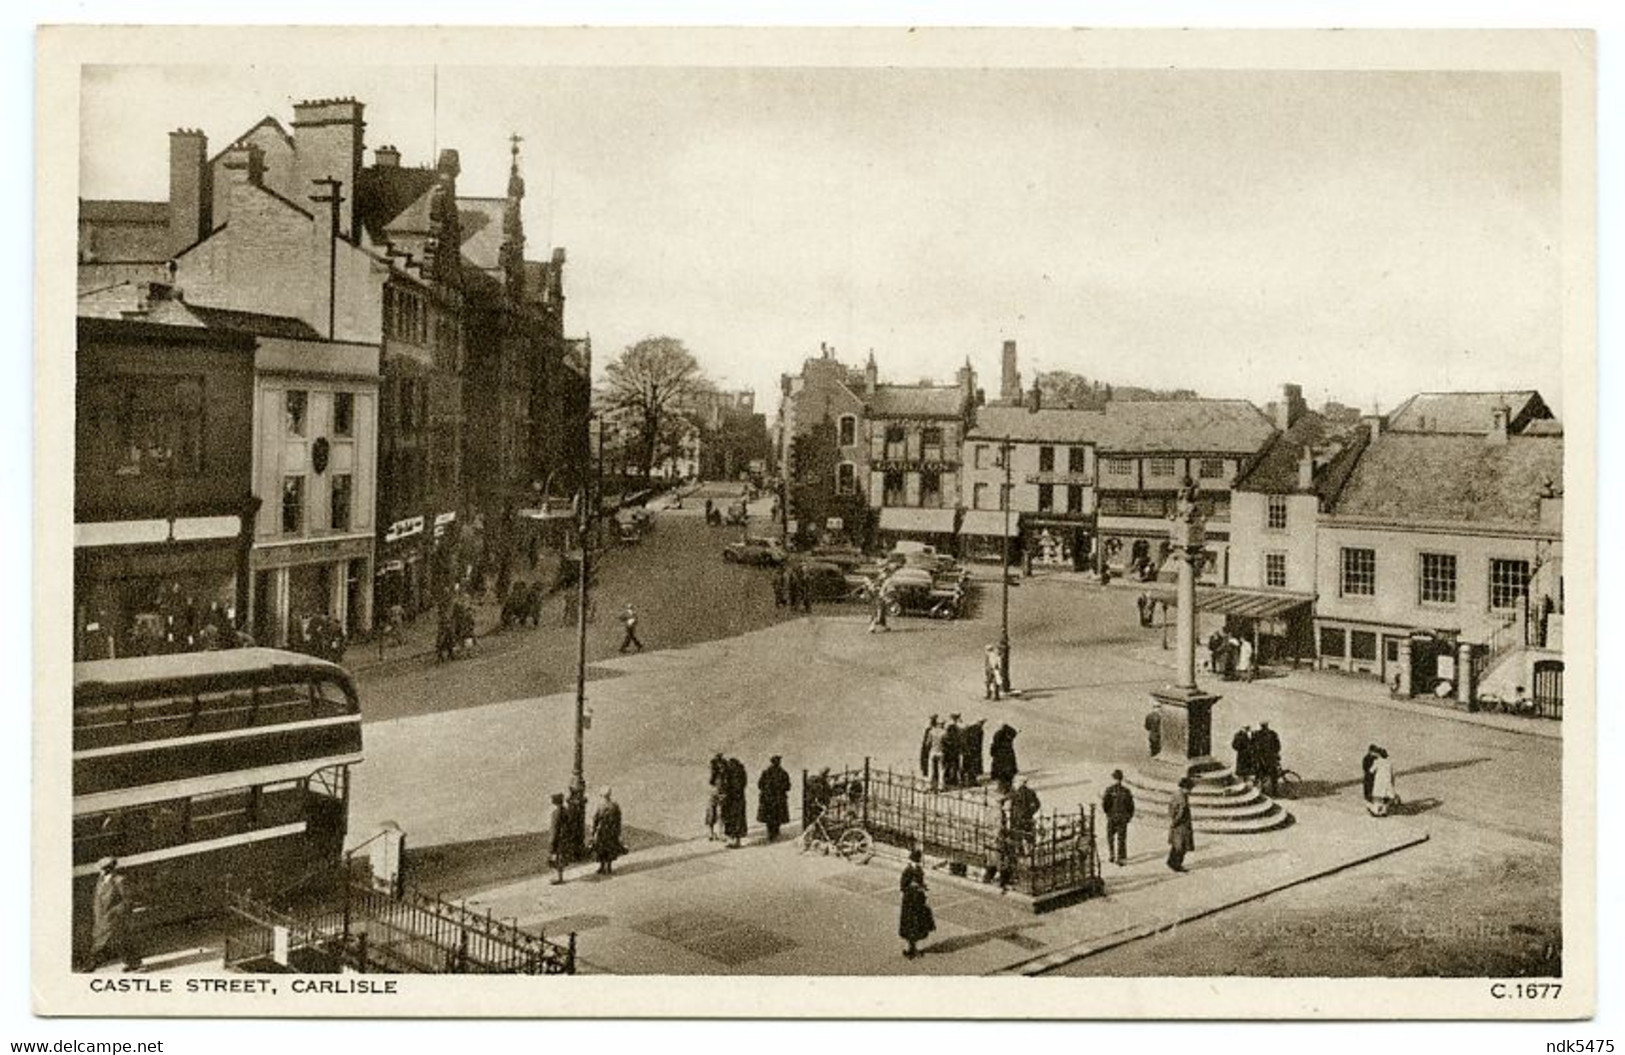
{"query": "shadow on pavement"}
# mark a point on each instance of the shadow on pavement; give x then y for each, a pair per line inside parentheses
(961, 942)
(459, 869)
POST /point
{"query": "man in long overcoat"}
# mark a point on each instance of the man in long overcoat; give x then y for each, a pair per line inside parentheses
(773, 797)
(1267, 757)
(925, 746)
(1181, 826)
(558, 842)
(110, 937)
(1002, 756)
(951, 746)
(1025, 804)
(606, 834)
(1242, 745)
(734, 823)
(970, 753)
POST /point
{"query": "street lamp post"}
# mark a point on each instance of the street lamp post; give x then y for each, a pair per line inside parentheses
(589, 497)
(1006, 454)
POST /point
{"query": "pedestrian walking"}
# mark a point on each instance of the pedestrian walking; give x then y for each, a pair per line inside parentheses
(773, 797)
(970, 753)
(951, 734)
(1024, 807)
(1117, 802)
(1181, 827)
(111, 936)
(734, 823)
(1267, 758)
(558, 842)
(882, 597)
(935, 740)
(915, 921)
(1153, 732)
(1367, 774)
(925, 747)
(629, 620)
(714, 806)
(1383, 795)
(991, 675)
(1002, 756)
(1242, 745)
(606, 834)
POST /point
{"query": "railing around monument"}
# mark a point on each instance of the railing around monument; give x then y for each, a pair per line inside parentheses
(963, 826)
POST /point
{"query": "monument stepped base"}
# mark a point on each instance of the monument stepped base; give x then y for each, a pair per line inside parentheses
(1221, 802)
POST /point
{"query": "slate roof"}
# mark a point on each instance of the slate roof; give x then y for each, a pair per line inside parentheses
(119, 211)
(1275, 471)
(1218, 426)
(1044, 426)
(255, 322)
(1465, 412)
(1445, 477)
(916, 401)
(386, 191)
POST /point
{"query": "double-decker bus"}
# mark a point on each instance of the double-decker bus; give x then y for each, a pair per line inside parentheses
(209, 772)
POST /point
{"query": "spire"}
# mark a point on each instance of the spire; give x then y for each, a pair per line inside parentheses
(512, 253)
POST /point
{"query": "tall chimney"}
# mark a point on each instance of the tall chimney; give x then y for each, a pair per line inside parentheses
(1498, 425)
(1010, 377)
(1290, 408)
(871, 374)
(327, 141)
(191, 199)
(1035, 398)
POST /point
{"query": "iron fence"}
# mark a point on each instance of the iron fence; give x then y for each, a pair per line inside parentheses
(972, 827)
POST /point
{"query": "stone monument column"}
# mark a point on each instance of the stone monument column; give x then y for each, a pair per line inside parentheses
(1185, 710)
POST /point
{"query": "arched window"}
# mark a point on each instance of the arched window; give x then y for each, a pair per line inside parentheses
(849, 430)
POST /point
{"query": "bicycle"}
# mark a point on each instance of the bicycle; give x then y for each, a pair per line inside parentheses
(1285, 784)
(853, 843)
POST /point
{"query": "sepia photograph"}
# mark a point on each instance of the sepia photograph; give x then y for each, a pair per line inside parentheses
(838, 522)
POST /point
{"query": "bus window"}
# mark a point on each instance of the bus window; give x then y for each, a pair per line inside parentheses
(281, 803)
(286, 702)
(332, 700)
(219, 813)
(98, 835)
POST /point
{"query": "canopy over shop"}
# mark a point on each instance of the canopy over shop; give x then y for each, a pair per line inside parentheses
(1278, 622)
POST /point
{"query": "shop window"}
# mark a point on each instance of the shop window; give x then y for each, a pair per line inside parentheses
(1363, 645)
(341, 502)
(296, 405)
(344, 414)
(1046, 498)
(1276, 513)
(1436, 578)
(1275, 570)
(1359, 578)
(293, 505)
(1332, 641)
(1509, 582)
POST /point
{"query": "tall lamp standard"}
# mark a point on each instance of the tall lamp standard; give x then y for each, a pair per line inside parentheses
(586, 514)
(1006, 455)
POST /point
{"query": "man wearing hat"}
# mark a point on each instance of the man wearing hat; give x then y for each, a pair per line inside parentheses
(110, 919)
(1181, 826)
(773, 797)
(1117, 802)
(950, 752)
(558, 846)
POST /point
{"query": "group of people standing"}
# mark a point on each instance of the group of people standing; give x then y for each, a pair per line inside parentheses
(727, 806)
(1231, 657)
(1258, 756)
(791, 587)
(603, 839)
(951, 753)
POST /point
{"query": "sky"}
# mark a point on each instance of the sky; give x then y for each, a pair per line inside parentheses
(1364, 234)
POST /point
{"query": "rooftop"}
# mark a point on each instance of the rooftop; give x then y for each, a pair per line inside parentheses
(916, 401)
(1466, 412)
(1453, 477)
(1276, 470)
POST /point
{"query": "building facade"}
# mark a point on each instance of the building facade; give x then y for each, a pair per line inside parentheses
(916, 439)
(1051, 485)
(823, 445)
(163, 509)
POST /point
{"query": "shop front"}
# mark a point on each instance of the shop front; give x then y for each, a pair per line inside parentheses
(1052, 543)
(934, 527)
(295, 582)
(982, 534)
(138, 600)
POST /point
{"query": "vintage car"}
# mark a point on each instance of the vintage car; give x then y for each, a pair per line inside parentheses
(766, 551)
(915, 591)
(826, 581)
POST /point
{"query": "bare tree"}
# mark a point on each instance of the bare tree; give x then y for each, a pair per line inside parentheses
(649, 381)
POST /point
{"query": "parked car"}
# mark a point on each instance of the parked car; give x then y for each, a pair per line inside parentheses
(826, 581)
(915, 591)
(765, 551)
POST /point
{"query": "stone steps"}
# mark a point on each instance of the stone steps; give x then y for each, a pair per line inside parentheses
(1221, 803)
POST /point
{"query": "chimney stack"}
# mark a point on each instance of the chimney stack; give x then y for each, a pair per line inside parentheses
(386, 157)
(1375, 424)
(327, 142)
(1010, 377)
(191, 198)
(1498, 425)
(871, 375)
(1035, 398)
(1290, 408)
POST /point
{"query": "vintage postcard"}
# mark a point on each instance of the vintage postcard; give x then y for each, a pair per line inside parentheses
(937, 523)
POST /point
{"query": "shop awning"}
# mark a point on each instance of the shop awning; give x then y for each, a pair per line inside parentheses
(1243, 602)
(988, 522)
(922, 521)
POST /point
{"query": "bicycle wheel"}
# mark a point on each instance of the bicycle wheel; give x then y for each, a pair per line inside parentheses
(1287, 784)
(856, 845)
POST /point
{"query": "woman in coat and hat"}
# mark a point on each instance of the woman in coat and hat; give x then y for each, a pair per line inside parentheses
(915, 921)
(606, 834)
(773, 797)
(1002, 756)
(1383, 795)
(734, 824)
